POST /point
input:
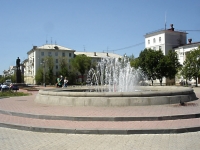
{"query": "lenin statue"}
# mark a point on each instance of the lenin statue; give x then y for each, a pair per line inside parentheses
(18, 71)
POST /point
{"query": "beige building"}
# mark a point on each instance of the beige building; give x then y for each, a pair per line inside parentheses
(36, 58)
(96, 56)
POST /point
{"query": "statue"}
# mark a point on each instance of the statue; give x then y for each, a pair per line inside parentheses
(18, 63)
(18, 71)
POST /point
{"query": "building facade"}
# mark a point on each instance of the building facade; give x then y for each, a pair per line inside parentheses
(165, 40)
(170, 39)
(95, 57)
(182, 54)
(36, 60)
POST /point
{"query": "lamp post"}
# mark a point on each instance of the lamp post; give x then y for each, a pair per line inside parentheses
(43, 63)
(44, 74)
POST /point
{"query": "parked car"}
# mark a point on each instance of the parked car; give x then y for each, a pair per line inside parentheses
(8, 82)
(14, 87)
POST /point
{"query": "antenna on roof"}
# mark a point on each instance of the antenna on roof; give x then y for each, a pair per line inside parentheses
(165, 19)
(55, 43)
(84, 47)
(46, 40)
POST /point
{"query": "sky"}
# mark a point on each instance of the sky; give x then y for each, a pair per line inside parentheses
(114, 26)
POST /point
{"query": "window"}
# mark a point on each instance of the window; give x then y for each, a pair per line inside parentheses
(42, 53)
(63, 54)
(70, 55)
(148, 41)
(42, 60)
(49, 53)
(56, 60)
(159, 39)
(160, 47)
(56, 66)
(154, 40)
(56, 53)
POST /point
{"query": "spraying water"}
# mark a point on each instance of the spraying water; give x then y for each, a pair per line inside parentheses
(116, 75)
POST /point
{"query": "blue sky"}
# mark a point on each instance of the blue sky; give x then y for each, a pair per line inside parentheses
(115, 26)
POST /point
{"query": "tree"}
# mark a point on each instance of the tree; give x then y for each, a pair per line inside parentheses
(81, 63)
(63, 67)
(161, 67)
(39, 76)
(173, 64)
(148, 61)
(191, 67)
(49, 77)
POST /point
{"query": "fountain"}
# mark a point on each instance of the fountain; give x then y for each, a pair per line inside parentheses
(117, 76)
(115, 83)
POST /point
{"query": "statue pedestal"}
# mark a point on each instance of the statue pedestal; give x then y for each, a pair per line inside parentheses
(18, 76)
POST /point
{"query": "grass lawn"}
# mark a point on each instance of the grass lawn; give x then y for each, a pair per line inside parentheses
(11, 94)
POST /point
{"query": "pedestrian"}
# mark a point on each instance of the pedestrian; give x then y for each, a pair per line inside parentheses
(58, 84)
(65, 82)
(61, 81)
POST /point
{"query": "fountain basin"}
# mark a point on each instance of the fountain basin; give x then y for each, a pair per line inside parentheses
(144, 95)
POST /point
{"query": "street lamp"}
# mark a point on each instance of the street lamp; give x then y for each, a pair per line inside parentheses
(43, 63)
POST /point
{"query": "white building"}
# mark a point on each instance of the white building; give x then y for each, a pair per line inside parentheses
(182, 54)
(170, 39)
(182, 50)
(165, 39)
(10, 71)
(96, 56)
(36, 57)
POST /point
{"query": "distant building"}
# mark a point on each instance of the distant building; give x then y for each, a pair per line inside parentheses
(170, 39)
(36, 58)
(96, 57)
(10, 71)
(184, 49)
(182, 54)
(165, 40)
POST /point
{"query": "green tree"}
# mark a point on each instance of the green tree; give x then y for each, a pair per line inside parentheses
(172, 64)
(82, 63)
(148, 61)
(39, 76)
(63, 67)
(49, 64)
(161, 68)
(191, 66)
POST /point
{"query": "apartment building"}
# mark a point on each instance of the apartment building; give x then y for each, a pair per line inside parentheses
(170, 39)
(36, 59)
(165, 39)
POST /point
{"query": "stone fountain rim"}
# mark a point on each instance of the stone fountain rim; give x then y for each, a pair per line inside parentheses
(154, 91)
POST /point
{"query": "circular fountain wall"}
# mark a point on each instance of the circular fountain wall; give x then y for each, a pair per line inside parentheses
(144, 95)
(113, 83)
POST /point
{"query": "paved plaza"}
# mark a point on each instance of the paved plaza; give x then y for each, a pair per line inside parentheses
(15, 139)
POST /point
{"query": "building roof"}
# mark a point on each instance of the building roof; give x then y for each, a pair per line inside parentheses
(53, 46)
(194, 44)
(50, 46)
(98, 54)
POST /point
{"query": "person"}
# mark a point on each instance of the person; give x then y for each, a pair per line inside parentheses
(61, 81)
(58, 82)
(65, 82)
(4, 87)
